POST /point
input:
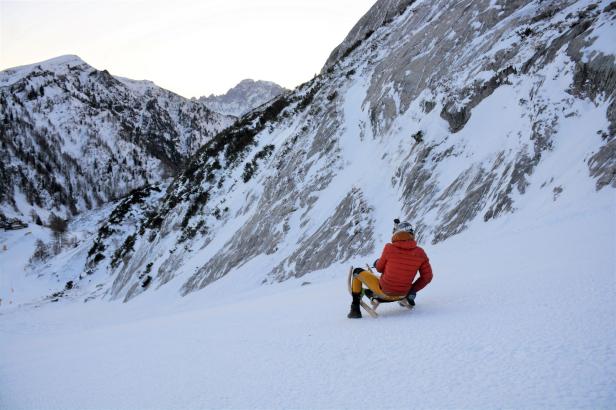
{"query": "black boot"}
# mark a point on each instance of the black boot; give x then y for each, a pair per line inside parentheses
(409, 301)
(355, 313)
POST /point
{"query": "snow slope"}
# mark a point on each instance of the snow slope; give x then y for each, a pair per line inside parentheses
(16, 286)
(520, 315)
(23, 281)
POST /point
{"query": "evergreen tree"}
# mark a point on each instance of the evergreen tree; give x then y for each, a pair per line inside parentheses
(58, 227)
(41, 252)
(35, 217)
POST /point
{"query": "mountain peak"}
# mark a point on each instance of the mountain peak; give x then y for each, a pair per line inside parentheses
(250, 81)
(247, 81)
(58, 65)
(70, 59)
(55, 62)
(244, 97)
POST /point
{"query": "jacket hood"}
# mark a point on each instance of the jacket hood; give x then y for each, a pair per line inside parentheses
(405, 244)
(402, 236)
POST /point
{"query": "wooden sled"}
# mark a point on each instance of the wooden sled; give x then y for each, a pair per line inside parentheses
(374, 302)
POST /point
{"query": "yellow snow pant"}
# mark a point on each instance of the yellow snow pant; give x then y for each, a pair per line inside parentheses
(372, 282)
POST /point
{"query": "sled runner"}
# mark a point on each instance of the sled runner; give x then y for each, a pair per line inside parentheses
(375, 299)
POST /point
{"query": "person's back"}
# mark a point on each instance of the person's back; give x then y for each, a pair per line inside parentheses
(399, 263)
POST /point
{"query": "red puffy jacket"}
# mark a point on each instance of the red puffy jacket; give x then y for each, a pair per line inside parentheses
(399, 264)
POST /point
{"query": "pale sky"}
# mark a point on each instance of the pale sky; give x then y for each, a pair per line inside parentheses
(191, 47)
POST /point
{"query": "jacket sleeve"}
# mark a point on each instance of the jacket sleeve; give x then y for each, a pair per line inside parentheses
(425, 276)
(382, 261)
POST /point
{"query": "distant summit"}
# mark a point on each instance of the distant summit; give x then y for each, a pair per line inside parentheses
(244, 97)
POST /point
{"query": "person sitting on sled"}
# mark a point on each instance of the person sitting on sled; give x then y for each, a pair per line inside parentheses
(398, 264)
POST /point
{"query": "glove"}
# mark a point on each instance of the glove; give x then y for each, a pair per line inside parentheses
(374, 264)
(411, 298)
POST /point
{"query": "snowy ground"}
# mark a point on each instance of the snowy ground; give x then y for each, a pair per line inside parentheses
(521, 314)
(20, 282)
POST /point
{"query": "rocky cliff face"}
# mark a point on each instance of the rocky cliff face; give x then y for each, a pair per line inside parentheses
(381, 14)
(74, 137)
(442, 113)
(244, 97)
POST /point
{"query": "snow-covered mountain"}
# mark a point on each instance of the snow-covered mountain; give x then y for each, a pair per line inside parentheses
(74, 137)
(488, 124)
(443, 113)
(244, 97)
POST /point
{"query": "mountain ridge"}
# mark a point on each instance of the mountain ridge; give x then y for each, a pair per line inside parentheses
(78, 137)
